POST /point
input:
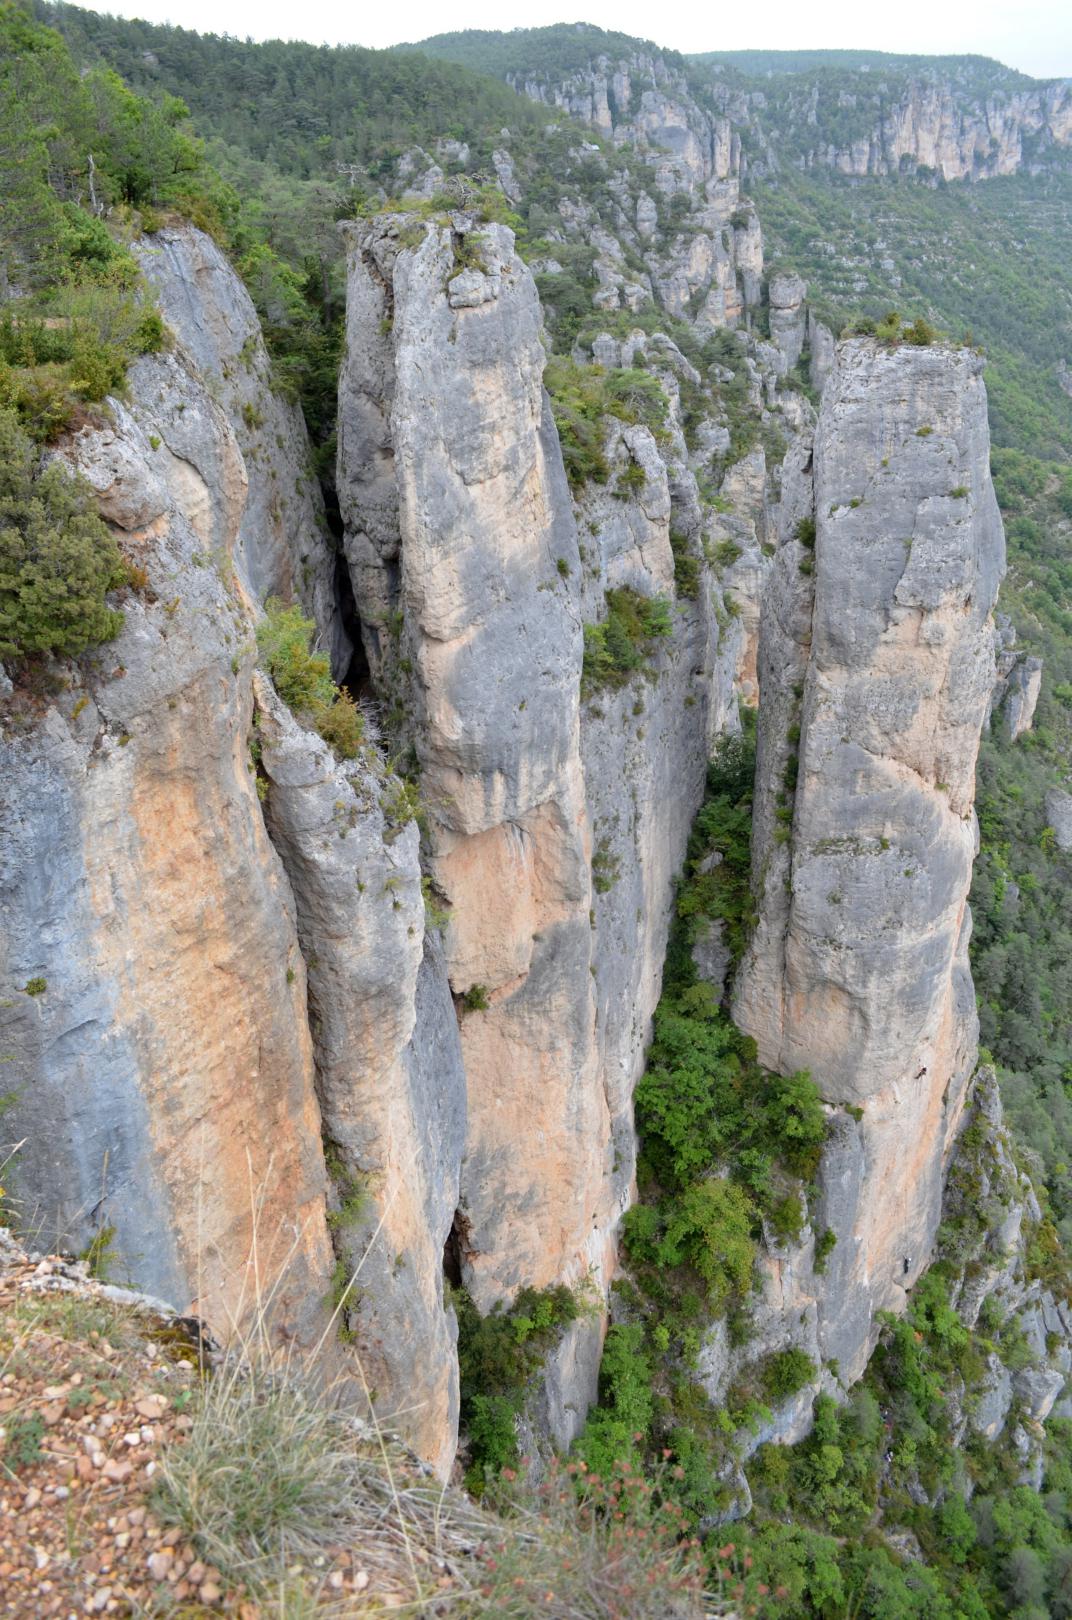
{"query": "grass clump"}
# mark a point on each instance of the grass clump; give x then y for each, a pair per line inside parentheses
(58, 559)
(623, 643)
(269, 1473)
(272, 1476)
(303, 680)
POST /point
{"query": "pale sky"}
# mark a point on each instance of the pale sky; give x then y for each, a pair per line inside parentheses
(1032, 35)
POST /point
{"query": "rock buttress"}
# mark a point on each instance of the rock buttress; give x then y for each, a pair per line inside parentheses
(389, 1070)
(876, 661)
(163, 1078)
(464, 559)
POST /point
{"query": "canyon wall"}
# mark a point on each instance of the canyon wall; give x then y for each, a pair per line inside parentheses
(380, 1019)
(952, 131)
(471, 586)
(162, 1076)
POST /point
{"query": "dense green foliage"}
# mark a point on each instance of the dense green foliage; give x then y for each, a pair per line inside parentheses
(58, 560)
(300, 108)
(1022, 942)
(303, 680)
(72, 147)
(977, 71)
(498, 1357)
(624, 643)
(550, 53)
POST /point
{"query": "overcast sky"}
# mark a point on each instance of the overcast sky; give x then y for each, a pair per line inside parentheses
(1033, 35)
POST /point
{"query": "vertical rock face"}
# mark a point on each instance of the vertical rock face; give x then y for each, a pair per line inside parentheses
(282, 548)
(1022, 694)
(459, 515)
(389, 1074)
(557, 820)
(788, 316)
(164, 1076)
(876, 662)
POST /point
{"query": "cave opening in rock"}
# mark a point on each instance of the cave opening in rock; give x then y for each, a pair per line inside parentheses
(356, 677)
(456, 1251)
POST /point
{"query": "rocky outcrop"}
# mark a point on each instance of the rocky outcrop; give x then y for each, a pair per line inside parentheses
(154, 1007)
(1022, 688)
(990, 1214)
(645, 746)
(788, 316)
(1059, 814)
(477, 497)
(388, 1062)
(876, 662)
(705, 260)
(472, 587)
(283, 547)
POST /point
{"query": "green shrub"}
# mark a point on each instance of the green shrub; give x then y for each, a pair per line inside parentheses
(786, 1372)
(686, 567)
(710, 1229)
(58, 560)
(342, 725)
(623, 643)
(303, 678)
(498, 1356)
(824, 1246)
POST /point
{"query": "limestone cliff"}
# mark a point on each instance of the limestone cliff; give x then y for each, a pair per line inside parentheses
(249, 1036)
(163, 1077)
(489, 650)
(388, 1063)
(876, 665)
(472, 585)
(282, 547)
(926, 123)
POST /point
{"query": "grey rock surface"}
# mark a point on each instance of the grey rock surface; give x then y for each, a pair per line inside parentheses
(283, 546)
(458, 517)
(1021, 696)
(164, 1075)
(1059, 814)
(788, 316)
(388, 1061)
(877, 670)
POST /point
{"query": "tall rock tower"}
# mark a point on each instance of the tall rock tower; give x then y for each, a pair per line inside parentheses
(876, 660)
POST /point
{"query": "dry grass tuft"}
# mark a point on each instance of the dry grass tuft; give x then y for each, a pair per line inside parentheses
(273, 1485)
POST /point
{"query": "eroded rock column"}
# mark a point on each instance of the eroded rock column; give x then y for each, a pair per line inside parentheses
(876, 661)
(464, 559)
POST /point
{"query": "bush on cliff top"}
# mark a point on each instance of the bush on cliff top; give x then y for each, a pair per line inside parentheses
(58, 560)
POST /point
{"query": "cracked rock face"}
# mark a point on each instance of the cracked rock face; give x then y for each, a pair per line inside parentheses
(282, 547)
(876, 663)
(459, 516)
(165, 1074)
(388, 1063)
